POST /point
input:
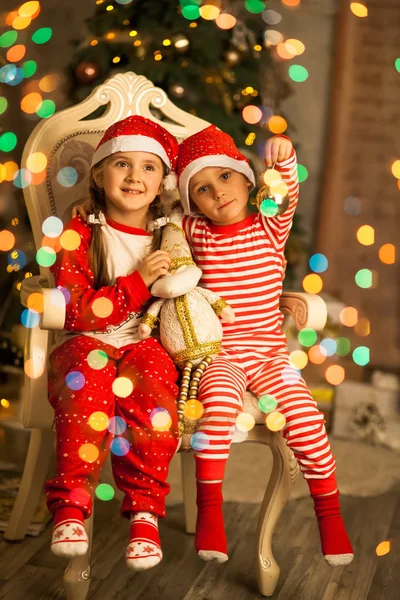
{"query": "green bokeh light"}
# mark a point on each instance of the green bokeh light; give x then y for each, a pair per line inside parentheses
(343, 346)
(105, 492)
(8, 39)
(3, 104)
(46, 256)
(307, 337)
(29, 68)
(46, 109)
(364, 278)
(298, 73)
(302, 173)
(191, 12)
(397, 64)
(361, 355)
(255, 6)
(8, 141)
(41, 36)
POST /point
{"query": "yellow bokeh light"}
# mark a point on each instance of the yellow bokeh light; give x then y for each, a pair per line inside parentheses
(312, 283)
(277, 124)
(7, 240)
(296, 47)
(358, 9)
(122, 387)
(193, 409)
(34, 367)
(35, 302)
(363, 327)
(272, 177)
(209, 12)
(70, 240)
(275, 421)
(116, 59)
(299, 359)
(5, 403)
(245, 421)
(133, 33)
(383, 548)
(88, 453)
(317, 355)
(387, 254)
(11, 168)
(102, 307)
(2, 172)
(36, 162)
(20, 23)
(49, 83)
(161, 421)
(29, 9)
(166, 42)
(335, 374)
(396, 169)
(98, 421)
(366, 235)
(348, 316)
(158, 56)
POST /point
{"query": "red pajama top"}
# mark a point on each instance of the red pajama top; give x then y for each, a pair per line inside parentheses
(243, 263)
(125, 248)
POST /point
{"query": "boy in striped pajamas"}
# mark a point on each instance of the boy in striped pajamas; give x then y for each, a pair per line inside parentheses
(241, 256)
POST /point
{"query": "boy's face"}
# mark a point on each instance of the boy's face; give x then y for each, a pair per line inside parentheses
(221, 194)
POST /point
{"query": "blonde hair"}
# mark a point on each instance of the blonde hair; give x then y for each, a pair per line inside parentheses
(97, 251)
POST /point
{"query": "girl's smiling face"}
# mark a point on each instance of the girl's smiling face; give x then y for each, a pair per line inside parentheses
(131, 181)
(221, 194)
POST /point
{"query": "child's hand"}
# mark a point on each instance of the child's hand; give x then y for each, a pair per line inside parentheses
(277, 149)
(154, 266)
(82, 209)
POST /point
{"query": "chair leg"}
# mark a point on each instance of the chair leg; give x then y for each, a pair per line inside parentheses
(284, 472)
(188, 467)
(35, 470)
(77, 574)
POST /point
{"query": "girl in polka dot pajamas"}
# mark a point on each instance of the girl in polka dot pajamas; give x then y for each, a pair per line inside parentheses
(241, 257)
(111, 391)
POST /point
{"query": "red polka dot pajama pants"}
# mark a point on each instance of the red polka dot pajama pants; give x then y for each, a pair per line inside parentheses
(140, 473)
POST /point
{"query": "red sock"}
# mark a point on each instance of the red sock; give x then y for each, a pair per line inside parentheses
(68, 513)
(334, 538)
(210, 540)
(144, 548)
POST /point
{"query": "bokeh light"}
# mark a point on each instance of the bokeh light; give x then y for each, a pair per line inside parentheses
(46, 109)
(8, 38)
(98, 420)
(7, 240)
(191, 12)
(42, 35)
(36, 163)
(193, 409)
(8, 141)
(317, 355)
(29, 68)
(53, 243)
(209, 12)
(272, 37)
(30, 318)
(387, 254)
(102, 307)
(343, 346)
(295, 47)
(67, 176)
(302, 173)
(46, 256)
(335, 374)
(383, 548)
(275, 421)
(31, 102)
(329, 345)
(70, 240)
(79, 496)
(299, 359)
(290, 375)
(120, 446)
(277, 124)
(52, 227)
(122, 387)
(298, 73)
(199, 441)
(252, 114)
(34, 367)
(35, 302)
(271, 17)
(225, 21)
(3, 104)
(318, 263)
(245, 421)
(348, 316)
(22, 178)
(363, 278)
(160, 419)
(255, 6)
(104, 491)
(97, 359)
(49, 82)
(358, 9)
(17, 258)
(312, 284)
(363, 327)
(117, 425)
(366, 235)
(29, 9)
(307, 337)
(267, 403)
(16, 53)
(88, 453)
(75, 380)
(361, 355)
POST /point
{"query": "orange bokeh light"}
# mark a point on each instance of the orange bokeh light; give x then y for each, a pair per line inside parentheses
(277, 124)
(387, 254)
(16, 53)
(335, 374)
(31, 102)
(348, 316)
(317, 355)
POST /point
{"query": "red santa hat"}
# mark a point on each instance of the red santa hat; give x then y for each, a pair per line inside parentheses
(210, 147)
(139, 134)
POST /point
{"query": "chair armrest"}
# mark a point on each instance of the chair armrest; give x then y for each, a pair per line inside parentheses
(306, 310)
(53, 316)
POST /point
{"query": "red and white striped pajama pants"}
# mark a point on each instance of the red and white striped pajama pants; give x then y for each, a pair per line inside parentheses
(221, 392)
(141, 459)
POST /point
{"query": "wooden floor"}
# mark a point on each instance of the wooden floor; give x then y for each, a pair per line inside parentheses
(28, 570)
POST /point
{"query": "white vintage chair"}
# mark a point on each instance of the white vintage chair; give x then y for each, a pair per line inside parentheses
(68, 140)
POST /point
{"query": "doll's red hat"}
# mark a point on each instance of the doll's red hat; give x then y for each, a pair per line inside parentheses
(210, 147)
(139, 134)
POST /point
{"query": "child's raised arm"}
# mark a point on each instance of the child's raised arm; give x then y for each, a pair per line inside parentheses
(279, 150)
